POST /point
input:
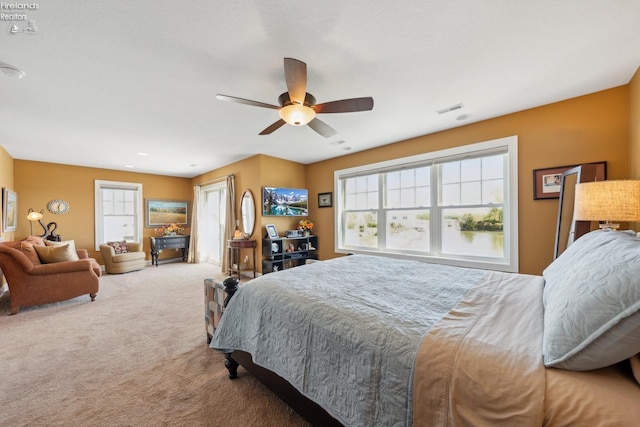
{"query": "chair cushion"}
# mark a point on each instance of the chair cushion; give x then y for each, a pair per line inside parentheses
(128, 256)
(119, 247)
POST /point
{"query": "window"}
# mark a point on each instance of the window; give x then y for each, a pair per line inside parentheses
(119, 212)
(456, 206)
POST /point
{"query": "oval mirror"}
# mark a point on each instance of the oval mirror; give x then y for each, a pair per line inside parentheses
(248, 212)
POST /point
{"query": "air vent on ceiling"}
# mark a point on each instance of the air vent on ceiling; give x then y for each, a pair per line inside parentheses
(449, 109)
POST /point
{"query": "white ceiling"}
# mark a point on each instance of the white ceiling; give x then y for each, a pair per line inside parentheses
(106, 80)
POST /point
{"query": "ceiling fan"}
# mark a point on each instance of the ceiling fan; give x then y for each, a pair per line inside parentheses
(299, 108)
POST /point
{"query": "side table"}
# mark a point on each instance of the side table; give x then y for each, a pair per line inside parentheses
(235, 247)
(158, 244)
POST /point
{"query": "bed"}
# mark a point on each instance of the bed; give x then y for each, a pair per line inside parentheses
(373, 341)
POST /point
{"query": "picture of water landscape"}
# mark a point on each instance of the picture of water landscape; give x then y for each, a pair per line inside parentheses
(277, 201)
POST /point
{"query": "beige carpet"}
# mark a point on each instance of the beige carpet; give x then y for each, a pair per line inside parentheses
(137, 356)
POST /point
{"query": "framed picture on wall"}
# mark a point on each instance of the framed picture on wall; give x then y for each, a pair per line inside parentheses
(325, 200)
(9, 210)
(547, 182)
(161, 212)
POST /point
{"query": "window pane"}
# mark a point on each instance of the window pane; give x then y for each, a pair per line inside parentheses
(393, 199)
(119, 216)
(361, 192)
(493, 167)
(408, 188)
(473, 232)
(470, 193)
(450, 195)
(493, 191)
(408, 230)
(361, 229)
(450, 172)
(393, 180)
(470, 170)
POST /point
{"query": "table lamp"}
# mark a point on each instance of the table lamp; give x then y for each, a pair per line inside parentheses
(607, 201)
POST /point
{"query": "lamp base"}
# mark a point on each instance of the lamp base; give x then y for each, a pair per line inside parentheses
(609, 226)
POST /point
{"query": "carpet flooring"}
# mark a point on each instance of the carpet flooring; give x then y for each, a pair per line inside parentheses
(136, 356)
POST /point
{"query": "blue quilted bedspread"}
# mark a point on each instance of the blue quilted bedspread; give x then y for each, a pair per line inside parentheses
(345, 332)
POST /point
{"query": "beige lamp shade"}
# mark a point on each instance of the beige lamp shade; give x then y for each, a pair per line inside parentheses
(607, 201)
(34, 216)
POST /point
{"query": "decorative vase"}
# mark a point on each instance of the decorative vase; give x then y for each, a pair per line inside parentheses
(306, 233)
(171, 233)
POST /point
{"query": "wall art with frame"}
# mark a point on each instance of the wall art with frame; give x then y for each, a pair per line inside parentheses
(325, 200)
(279, 201)
(160, 212)
(547, 182)
(9, 210)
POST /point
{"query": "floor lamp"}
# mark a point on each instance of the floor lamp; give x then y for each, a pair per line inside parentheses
(33, 216)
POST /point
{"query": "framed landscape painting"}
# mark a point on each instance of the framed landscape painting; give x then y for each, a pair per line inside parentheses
(9, 210)
(161, 212)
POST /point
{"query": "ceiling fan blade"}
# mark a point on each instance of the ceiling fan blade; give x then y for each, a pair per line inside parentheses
(345, 105)
(295, 73)
(322, 128)
(277, 125)
(246, 101)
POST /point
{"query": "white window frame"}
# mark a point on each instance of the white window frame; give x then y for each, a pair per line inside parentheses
(510, 209)
(99, 222)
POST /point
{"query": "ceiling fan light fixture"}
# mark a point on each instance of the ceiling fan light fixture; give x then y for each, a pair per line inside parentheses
(296, 114)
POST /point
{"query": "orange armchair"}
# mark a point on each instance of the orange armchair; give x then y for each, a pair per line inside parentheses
(33, 283)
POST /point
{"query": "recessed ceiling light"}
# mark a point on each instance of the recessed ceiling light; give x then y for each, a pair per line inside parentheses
(140, 153)
(193, 165)
(12, 71)
(346, 148)
(463, 117)
(342, 141)
(128, 166)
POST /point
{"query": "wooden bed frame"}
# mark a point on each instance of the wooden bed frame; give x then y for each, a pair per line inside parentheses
(308, 409)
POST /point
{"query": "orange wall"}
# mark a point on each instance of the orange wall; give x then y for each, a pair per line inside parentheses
(37, 183)
(254, 173)
(587, 129)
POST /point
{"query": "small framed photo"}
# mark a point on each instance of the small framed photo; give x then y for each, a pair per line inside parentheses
(325, 200)
(272, 233)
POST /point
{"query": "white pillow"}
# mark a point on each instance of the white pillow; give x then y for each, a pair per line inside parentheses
(592, 302)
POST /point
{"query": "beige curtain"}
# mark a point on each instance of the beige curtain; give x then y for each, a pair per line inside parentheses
(230, 220)
(194, 253)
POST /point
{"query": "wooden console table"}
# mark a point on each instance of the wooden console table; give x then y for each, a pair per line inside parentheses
(158, 244)
(235, 247)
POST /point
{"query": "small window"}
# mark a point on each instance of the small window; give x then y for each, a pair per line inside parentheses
(118, 207)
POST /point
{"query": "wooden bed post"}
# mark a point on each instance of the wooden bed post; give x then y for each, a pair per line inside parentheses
(230, 287)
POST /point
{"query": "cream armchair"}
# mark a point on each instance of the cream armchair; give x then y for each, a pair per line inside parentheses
(115, 263)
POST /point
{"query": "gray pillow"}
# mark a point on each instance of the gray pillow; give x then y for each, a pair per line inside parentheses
(592, 302)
